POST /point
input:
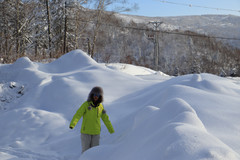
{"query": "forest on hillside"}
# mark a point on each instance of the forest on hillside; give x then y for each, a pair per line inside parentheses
(48, 29)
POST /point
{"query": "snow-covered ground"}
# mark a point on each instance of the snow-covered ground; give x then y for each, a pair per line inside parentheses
(155, 116)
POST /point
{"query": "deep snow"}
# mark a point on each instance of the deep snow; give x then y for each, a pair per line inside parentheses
(155, 116)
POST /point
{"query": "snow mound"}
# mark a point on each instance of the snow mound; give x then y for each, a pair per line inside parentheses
(131, 69)
(71, 61)
(29, 132)
(173, 131)
(39, 125)
(23, 62)
(139, 71)
(213, 84)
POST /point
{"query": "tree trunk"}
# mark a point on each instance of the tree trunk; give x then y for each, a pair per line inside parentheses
(49, 28)
(17, 28)
(100, 8)
(65, 29)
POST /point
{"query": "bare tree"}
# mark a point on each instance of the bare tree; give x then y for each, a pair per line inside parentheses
(17, 25)
(101, 7)
(49, 27)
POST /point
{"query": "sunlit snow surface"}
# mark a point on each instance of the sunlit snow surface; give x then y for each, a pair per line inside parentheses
(155, 116)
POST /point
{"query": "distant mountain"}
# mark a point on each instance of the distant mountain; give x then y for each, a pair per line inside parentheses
(227, 26)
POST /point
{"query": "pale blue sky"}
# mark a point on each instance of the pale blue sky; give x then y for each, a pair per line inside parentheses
(157, 8)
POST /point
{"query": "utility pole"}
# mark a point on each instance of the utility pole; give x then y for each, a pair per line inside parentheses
(156, 25)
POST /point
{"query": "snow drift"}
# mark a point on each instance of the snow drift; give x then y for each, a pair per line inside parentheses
(155, 116)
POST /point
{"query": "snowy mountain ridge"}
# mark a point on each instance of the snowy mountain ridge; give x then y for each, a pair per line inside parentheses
(225, 24)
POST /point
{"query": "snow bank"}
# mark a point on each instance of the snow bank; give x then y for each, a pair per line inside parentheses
(69, 62)
(138, 71)
(173, 129)
(39, 125)
(155, 117)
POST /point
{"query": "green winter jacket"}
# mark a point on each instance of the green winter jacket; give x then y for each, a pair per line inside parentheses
(91, 119)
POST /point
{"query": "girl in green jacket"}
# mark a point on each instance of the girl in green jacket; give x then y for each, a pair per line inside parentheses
(91, 111)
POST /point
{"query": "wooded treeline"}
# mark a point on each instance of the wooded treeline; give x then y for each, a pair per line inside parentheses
(42, 29)
(49, 28)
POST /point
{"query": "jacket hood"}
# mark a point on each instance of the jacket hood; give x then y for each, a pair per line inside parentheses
(96, 90)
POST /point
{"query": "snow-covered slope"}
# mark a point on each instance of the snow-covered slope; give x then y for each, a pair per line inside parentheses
(213, 25)
(155, 116)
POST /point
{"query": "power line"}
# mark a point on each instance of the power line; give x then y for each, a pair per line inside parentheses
(197, 6)
(176, 33)
(162, 31)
